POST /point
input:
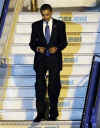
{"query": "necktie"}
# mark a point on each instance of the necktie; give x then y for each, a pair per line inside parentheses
(47, 36)
(47, 32)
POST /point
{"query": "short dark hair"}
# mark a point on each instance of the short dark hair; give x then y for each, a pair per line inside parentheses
(46, 7)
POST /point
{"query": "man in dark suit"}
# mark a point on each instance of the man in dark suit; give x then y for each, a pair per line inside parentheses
(48, 39)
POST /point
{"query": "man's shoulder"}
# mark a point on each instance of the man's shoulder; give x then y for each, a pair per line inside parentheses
(36, 22)
(60, 22)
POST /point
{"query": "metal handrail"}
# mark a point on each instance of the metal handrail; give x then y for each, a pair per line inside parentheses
(3, 15)
(9, 28)
(88, 111)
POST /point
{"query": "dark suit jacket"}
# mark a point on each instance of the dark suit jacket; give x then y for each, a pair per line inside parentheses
(58, 39)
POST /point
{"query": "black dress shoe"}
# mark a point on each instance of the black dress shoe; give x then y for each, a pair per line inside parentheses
(52, 118)
(38, 118)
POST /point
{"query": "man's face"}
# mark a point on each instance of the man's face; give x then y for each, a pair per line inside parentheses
(46, 15)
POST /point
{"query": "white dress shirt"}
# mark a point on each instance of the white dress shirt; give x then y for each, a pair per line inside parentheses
(50, 25)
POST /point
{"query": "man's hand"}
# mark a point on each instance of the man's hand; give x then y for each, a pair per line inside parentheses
(52, 50)
(41, 49)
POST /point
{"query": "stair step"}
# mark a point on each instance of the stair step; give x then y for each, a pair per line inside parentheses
(21, 50)
(30, 103)
(29, 92)
(29, 81)
(83, 37)
(87, 27)
(77, 16)
(46, 124)
(68, 4)
(67, 59)
(69, 114)
(68, 50)
(68, 70)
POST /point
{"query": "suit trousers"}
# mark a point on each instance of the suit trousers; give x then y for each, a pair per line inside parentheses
(54, 87)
